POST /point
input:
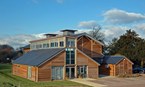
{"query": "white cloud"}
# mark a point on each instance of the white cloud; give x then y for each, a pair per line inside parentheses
(111, 32)
(87, 24)
(60, 1)
(140, 28)
(83, 31)
(117, 16)
(20, 40)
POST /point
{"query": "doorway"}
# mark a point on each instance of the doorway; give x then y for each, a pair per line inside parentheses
(70, 72)
(82, 71)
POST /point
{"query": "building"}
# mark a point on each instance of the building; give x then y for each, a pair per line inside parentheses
(26, 48)
(66, 56)
(115, 65)
(59, 57)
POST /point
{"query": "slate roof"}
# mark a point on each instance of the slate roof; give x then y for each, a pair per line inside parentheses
(37, 57)
(109, 59)
(27, 46)
(113, 59)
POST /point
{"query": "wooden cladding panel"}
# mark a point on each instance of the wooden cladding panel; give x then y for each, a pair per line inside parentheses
(89, 47)
(20, 70)
(26, 50)
(44, 71)
(44, 74)
(92, 66)
(81, 59)
(124, 67)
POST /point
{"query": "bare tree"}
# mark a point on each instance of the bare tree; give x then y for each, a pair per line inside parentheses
(96, 33)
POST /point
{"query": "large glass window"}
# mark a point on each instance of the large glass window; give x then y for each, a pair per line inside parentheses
(70, 56)
(70, 42)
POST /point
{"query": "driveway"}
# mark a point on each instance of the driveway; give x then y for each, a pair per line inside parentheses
(122, 82)
(114, 82)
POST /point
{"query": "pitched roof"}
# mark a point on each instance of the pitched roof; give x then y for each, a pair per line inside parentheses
(27, 46)
(85, 34)
(37, 57)
(113, 59)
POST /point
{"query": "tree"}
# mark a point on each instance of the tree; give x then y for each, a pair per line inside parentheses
(130, 45)
(96, 33)
(6, 53)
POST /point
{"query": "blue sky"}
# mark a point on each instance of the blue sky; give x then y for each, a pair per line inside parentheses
(19, 17)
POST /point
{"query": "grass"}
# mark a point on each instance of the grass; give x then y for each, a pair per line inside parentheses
(9, 80)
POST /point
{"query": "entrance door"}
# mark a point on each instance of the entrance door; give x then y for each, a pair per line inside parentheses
(70, 72)
(57, 73)
(82, 71)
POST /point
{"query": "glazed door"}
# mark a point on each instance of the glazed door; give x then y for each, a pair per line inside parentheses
(82, 71)
(70, 72)
(57, 73)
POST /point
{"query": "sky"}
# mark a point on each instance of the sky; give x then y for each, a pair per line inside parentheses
(25, 20)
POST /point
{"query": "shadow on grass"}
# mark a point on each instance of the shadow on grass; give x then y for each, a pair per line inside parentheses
(7, 84)
(8, 76)
(5, 66)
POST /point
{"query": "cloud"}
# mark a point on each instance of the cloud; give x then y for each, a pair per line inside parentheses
(60, 1)
(111, 32)
(140, 28)
(87, 24)
(83, 31)
(116, 16)
(20, 40)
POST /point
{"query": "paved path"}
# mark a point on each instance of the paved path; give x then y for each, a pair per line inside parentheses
(113, 82)
(88, 82)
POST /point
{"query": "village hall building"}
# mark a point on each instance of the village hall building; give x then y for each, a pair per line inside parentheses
(68, 56)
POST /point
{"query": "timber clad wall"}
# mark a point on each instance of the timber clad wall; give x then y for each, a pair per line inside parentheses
(107, 71)
(89, 47)
(22, 71)
(124, 67)
(121, 68)
(91, 65)
(45, 70)
(26, 50)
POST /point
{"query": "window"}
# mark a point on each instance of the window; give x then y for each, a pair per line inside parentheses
(70, 56)
(45, 45)
(29, 72)
(61, 44)
(52, 44)
(71, 42)
(56, 44)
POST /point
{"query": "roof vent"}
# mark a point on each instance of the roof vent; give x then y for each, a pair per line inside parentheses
(68, 32)
(50, 35)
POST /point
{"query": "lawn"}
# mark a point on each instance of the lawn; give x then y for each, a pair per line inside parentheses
(9, 80)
